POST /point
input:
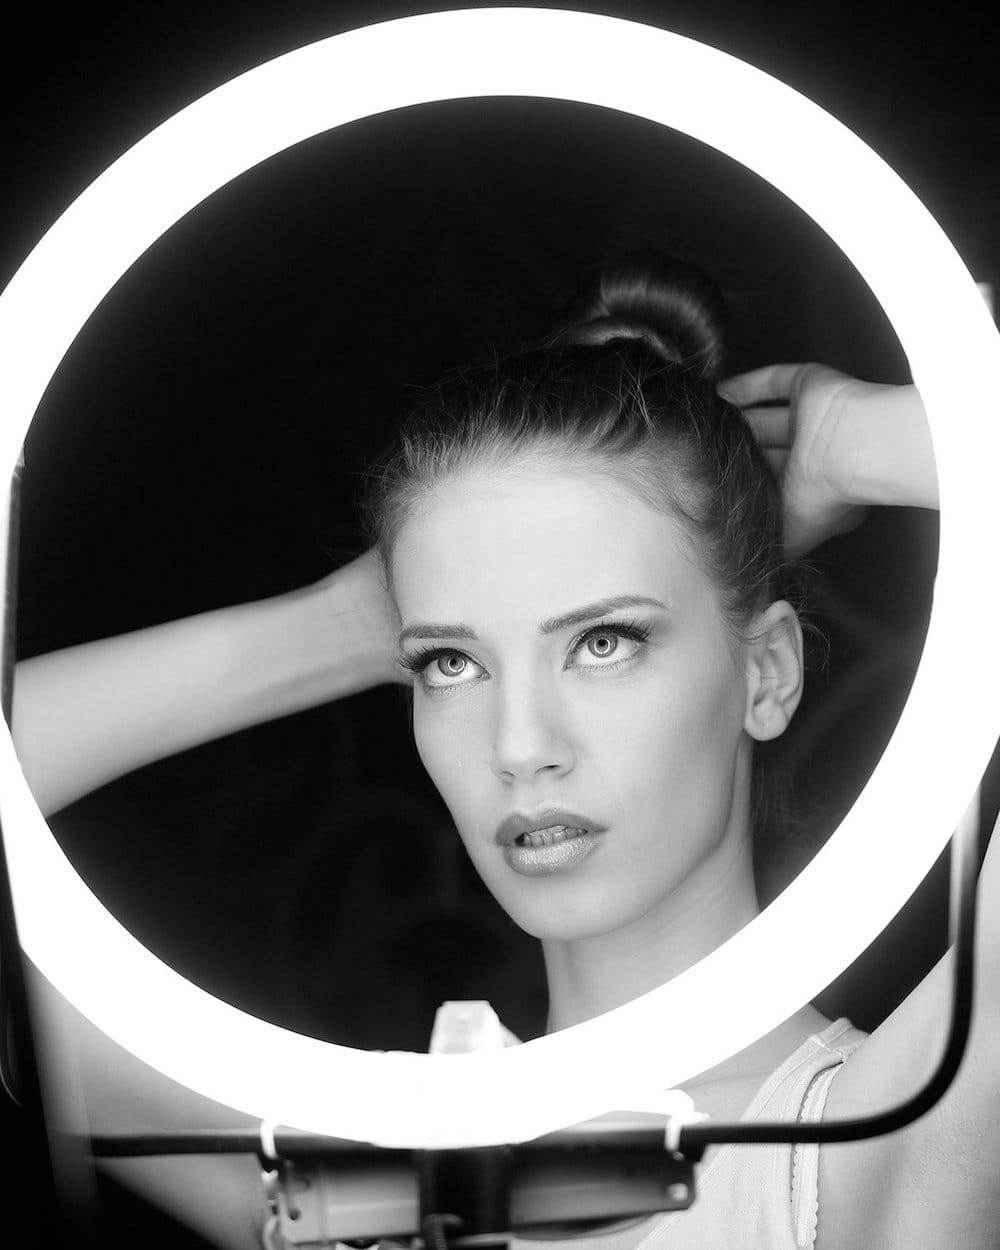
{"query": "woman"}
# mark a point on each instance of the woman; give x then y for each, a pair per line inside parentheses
(581, 561)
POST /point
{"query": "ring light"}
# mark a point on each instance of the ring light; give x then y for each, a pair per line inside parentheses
(921, 787)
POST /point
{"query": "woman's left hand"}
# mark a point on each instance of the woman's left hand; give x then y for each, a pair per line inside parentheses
(811, 422)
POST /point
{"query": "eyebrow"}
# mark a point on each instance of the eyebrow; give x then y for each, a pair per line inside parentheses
(553, 625)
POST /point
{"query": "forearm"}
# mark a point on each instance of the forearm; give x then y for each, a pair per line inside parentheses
(88, 714)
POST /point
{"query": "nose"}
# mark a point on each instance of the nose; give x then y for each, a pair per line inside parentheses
(530, 737)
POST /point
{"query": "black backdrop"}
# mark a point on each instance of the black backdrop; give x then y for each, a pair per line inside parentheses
(203, 441)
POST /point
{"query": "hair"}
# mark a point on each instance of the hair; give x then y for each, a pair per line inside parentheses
(626, 386)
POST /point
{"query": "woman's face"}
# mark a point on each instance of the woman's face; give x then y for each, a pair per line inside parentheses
(574, 671)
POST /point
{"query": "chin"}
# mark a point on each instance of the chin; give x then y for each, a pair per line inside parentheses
(567, 923)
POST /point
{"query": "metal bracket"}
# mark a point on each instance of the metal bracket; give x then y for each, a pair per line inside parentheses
(576, 1181)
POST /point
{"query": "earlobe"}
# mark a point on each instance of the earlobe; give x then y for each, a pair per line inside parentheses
(774, 672)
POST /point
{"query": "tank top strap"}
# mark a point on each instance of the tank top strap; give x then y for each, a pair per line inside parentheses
(839, 1041)
(805, 1165)
(783, 1094)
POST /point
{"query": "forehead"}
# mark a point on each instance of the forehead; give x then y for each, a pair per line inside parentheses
(525, 539)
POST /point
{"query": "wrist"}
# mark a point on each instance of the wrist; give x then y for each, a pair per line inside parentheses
(888, 455)
(355, 622)
(303, 648)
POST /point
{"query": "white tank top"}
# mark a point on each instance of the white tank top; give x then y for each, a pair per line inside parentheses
(748, 1197)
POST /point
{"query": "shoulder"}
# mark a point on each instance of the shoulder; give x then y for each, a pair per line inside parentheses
(932, 1183)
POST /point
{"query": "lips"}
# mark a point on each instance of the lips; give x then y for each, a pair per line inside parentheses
(545, 827)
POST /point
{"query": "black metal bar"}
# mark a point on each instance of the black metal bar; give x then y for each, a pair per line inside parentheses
(18, 1081)
(289, 1144)
(294, 1145)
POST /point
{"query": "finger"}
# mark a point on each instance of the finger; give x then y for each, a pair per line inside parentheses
(772, 427)
(759, 385)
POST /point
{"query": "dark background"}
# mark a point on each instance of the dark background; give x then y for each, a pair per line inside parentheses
(203, 441)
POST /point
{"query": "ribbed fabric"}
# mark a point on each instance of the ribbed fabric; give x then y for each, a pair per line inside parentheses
(749, 1197)
(805, 1164)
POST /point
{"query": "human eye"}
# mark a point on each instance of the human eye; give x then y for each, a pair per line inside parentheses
(442, 668)
(610, 645)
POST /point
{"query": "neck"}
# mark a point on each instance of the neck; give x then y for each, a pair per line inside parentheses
(593, 975)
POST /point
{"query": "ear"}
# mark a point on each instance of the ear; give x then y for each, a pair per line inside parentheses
(774, 671)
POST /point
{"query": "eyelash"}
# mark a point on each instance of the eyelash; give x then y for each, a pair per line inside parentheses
(635, 631)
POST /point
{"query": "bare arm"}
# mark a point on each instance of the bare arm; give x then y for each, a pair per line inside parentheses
(88, 714)
(934, 1182)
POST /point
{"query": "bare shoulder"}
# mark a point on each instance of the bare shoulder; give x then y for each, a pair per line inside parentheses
(933, 1183)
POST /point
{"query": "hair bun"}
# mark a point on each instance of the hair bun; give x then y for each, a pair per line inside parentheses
(674, 307)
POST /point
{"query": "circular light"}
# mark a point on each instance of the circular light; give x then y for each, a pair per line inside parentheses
(922, 785)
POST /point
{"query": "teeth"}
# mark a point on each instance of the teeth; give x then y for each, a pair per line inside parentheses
(546, 837)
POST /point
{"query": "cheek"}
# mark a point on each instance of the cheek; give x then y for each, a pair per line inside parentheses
(444, 738)
(429, 744)
(672, 739)
(450, 749)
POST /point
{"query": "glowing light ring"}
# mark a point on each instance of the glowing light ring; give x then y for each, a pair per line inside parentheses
(917, 794)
